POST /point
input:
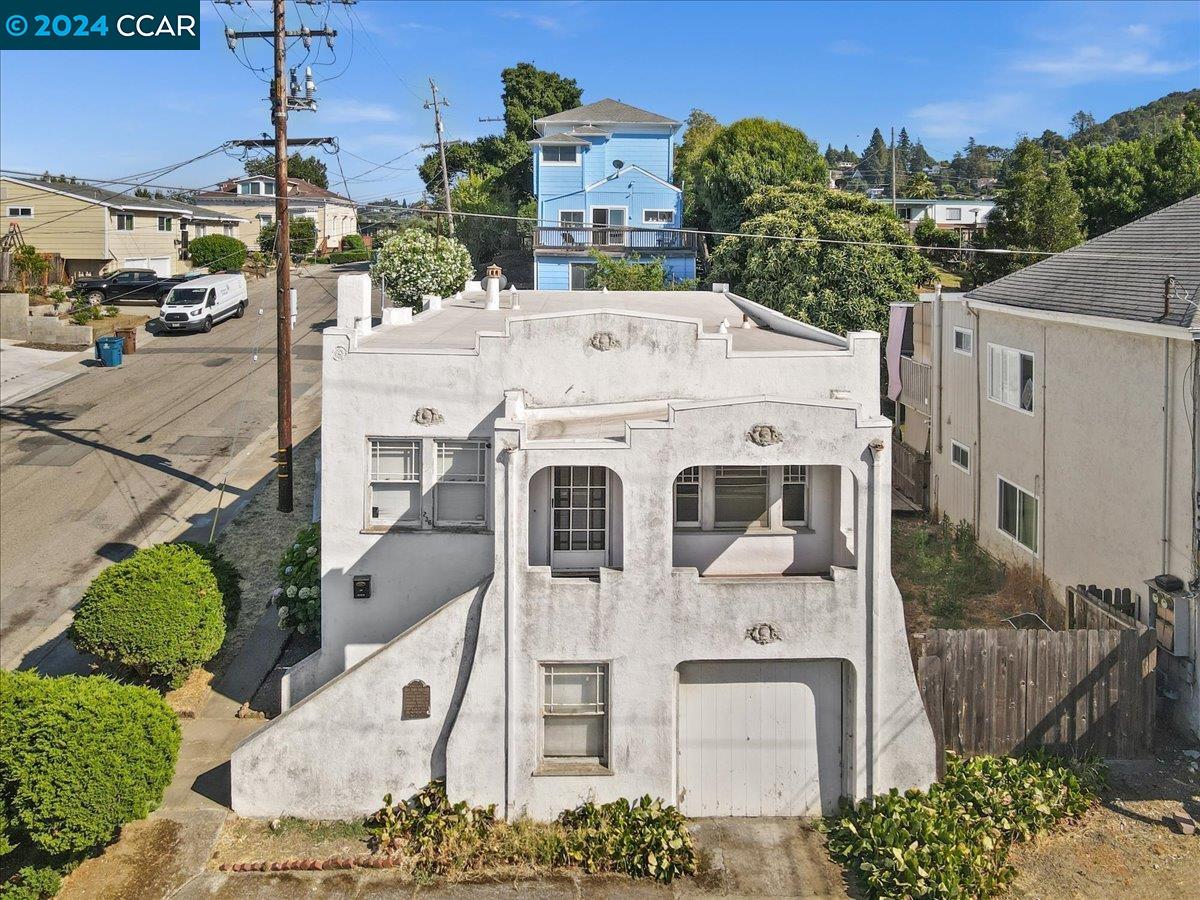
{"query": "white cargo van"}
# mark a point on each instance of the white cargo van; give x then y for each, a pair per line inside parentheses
(198, 303)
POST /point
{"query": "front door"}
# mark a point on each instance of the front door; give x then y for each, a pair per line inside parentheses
(579, 523)
(608, 223)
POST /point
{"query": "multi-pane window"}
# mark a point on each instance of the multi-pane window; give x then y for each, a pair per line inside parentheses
(1010, 377)
(575, 712)
(960, 456)
(164, 223)
(795, 495)
(687, 497)
(394, 493)
(953, 213)
(570, 217)
(741, 496)
(20, 212)
(964, 341)
(559, 153)
(460, 495)
(658, 216)
(264, 219)
(1017, 515)
(580, 507)
(124, 221)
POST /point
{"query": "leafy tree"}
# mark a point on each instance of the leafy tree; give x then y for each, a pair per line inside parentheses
(415, 262)
(920, 187)
(701, 129)
(1081, 122)
(620, 274)
(832, 157)
(1175, 173)
(531, 93)
(1141, 121)
(1055, 145)
(1111, 182)
(920, 159)
(839, 287)
(474, 194)
(748, 155)
(307, 168)
(302, 235)
(848, 155)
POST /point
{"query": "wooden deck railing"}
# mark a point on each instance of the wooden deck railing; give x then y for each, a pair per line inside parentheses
(587, 237)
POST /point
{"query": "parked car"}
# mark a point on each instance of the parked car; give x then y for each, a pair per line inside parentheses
(199, 303)
(126, 284)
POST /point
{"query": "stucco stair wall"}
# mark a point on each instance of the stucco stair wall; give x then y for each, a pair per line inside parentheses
(336, 753)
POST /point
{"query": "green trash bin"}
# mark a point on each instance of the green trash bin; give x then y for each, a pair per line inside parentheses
(109, 350)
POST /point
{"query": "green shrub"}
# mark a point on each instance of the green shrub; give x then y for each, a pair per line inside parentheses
(229, 579)
(318, 260)
(158, 612)
(31, 883)
(302, 236)
(353, 242)
(299, 593)
(79, 757)
(31, 266)
(953, 840)
(58, 295)
(414, 263)
(430, 829)
(349, 256)
(217, 253)
(634, 275)
(643, 839)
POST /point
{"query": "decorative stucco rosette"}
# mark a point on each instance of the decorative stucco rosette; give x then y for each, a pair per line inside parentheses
(604, 340)
(764, 435)
(427, 415)
(341, 348)
(763, 633)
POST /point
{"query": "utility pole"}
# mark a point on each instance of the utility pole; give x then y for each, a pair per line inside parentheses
(893, 155)
(281, 102)
(436, 105)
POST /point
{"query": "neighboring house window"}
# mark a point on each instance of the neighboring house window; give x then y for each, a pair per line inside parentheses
(20, 212)
(124, 222)
(1017, 515)
(964, 341)
(1010, 377)
(228, 230)
(256, 188)
(687, 498)
(741, 496)
(558, 154)
(658, 216)
(795, 495)
(164, 223)
(201, 229)
(953, 214)
(570, 217)
(394, 495)
(960, 456)
(575, 713)
(263, 219)
(460, 495)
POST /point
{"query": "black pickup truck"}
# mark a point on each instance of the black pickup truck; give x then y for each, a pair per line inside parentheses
(127, 284)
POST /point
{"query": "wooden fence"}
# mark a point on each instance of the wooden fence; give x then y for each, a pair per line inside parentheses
(1003, 692)
(910, 472)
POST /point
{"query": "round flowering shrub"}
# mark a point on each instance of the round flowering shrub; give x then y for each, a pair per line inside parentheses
(299, 593)
(414, 262)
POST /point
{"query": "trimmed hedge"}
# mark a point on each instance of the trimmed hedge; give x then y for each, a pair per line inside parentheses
(218, 253)
(80, 757)
(229, 579)
(349, 256)
(158, 612)
(353, 242)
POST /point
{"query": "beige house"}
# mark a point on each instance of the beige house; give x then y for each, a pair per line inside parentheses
(252, 199)
(95, 229)
(1056, 409)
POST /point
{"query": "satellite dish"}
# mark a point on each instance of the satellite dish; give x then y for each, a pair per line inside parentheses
(618, 164)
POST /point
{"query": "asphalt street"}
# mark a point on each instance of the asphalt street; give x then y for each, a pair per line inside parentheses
(92, 467)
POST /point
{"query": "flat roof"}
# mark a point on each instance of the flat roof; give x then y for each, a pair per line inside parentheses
(457, 324)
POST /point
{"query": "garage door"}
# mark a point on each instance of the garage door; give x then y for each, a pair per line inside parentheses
(160, 264)
(760, 738)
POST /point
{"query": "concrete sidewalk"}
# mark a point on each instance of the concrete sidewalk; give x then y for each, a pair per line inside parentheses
(25, 371)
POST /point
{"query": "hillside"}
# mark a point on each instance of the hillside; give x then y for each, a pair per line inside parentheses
(1133, 123)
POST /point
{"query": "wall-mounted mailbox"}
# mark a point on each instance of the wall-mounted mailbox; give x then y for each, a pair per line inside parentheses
(362, 587)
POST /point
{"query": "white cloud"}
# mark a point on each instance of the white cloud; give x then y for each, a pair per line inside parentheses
(845, 47)
(349, 112)
(957, 120)
(537, 20)
(1118, 53)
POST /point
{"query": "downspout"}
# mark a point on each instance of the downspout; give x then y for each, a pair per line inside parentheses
(980, 347)
(878, 523)
(1042, 507)
(1166, 458)
(509, 575)
(938, 329)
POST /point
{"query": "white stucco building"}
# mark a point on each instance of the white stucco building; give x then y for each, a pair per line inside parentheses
(617, 544)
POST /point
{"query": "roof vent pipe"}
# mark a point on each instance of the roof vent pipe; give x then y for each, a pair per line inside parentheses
(1168, 293)
(492, 285)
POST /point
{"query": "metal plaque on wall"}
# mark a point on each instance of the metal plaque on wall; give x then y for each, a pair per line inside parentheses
(414, 701)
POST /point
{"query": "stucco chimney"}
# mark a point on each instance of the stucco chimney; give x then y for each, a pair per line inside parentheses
(492, 285)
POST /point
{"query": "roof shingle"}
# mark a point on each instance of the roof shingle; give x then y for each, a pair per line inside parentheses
(605, 112)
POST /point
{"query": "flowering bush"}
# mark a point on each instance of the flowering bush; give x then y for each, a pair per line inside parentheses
(299, 593)
(414, 263)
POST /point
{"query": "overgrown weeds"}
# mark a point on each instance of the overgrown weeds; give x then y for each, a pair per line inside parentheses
(941, 569)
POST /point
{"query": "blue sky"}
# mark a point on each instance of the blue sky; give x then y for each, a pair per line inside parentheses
(947, 71)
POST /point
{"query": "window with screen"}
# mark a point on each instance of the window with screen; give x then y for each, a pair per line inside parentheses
(395, 482)
(559, 153)
(575, 713)
(741, 496)
(460, 494)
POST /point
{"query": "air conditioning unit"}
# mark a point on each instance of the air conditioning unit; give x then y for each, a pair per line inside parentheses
(1171, 609)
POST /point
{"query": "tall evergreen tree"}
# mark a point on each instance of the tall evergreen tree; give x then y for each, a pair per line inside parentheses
(904, 149)
(876, 160)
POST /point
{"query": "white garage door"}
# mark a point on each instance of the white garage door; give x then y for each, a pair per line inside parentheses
(160, 264)
(760, 738)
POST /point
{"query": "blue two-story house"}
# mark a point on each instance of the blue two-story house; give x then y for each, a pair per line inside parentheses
(602, 177)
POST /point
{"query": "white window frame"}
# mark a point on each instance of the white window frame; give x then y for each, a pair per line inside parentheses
(755, 525)
(955, 445)
(601, 707)
(1009, 355)
(20, 212)
(477, 478)
(557, 162)
(120, 218)
(414, 477)
(264, 219)
(1022, 495)
(793, 475)
(647, 221)
(970, 340)
(688, 477)
(958, 213)
(581, 224)
(168, 221)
